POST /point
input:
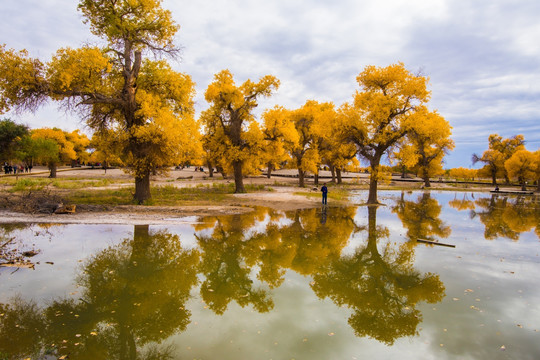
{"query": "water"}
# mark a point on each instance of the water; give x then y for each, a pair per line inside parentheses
(326, 283)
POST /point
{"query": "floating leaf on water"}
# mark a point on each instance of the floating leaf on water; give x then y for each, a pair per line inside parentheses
(62, 357)
(503, 348)
(93, 333)
(304, 340)
(78, 335)
(469, 290)
(455, 299)
(331, 334)
(520, 326)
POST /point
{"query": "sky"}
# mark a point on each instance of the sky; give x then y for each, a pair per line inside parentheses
(482, 57)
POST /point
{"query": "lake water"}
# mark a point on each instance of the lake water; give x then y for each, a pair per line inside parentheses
(326, 283)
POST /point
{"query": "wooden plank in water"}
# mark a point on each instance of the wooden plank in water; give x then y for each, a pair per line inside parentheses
(435, 243)
(506, 192)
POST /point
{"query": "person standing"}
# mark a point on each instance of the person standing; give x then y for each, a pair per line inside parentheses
(324, 191)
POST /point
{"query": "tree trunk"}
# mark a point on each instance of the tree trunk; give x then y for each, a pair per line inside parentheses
(427, 183)
(238, 177)
(523, 186)
(316, 178)
(374, 180)
(52, 169)
(269, 172)
(338, 173)
(221, 171)
(538, 185)
(333, 171)
(301, 174)
(210, 169)
(142, 188)
(494, 177)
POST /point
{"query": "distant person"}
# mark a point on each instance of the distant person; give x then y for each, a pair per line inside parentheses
(324, 191)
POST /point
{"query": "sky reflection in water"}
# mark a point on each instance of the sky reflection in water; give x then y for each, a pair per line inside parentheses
(343, 283)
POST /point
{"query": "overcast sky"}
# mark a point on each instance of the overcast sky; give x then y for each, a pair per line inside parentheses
(482, 56)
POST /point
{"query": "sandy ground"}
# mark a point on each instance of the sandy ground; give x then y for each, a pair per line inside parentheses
(282, 197)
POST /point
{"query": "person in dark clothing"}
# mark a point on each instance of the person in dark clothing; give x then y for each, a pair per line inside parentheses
(324, 191)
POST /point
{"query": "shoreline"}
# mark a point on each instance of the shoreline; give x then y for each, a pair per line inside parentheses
(283, 197)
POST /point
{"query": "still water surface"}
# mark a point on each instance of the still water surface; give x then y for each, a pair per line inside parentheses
(330, 283)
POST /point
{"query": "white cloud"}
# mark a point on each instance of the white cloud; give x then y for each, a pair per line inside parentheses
(481, 56)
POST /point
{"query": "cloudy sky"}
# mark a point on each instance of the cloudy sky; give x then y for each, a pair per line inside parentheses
(482, 56)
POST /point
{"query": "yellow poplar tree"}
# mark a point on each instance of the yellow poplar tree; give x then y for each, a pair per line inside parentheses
(387, 98)
(537, 171)
(305, 152)
(231, 123)
(430, 138)
(279, 133)
(80, 142)
(494, 165)
(463, 173)
(500, 150)
(63, 151)
(521, 165)
(337, 154)
(112, 87)
(107, 148)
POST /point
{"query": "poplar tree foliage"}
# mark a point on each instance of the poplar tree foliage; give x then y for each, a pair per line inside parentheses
(146, 102)
(230, 123)
(430, 141)
(11, 134)
(498, 152)
(52, 147)
(381, 114)
(279, 134)
(306, 151)
(522, 165)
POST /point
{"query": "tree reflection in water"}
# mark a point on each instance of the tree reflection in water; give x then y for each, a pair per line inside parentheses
(381, 287)
(133, 296)
(505, 216)
(238, 244)
(421, 217)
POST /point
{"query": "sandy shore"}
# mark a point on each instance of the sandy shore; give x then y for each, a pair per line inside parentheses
(284, 196)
